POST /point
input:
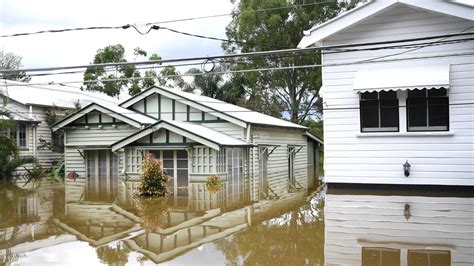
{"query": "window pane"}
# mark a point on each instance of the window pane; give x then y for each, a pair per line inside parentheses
(182, 164)
(416, 109)
(380, 257)
(369, 114)
(438, 112)
(167, 154)
(388, 95)
(22, 135)
(369, 96)
(417, 93)
(181, 154)
(431, 258)
(155, 154)
(389, 113)
(437, 92)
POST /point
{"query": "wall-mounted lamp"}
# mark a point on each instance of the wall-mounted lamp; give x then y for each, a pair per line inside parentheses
(407, 212)
(406, 168)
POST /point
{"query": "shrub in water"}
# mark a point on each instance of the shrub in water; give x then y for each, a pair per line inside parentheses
(213, 183)
(154, 179)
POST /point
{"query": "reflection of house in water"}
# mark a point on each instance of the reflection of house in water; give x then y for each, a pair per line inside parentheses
(25, 220)
(175, 229)
(397, 230)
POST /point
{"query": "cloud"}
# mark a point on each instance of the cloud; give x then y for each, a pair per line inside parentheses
(77, 48)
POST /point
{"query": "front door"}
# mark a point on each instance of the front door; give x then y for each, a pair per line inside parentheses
(175, 163)
(102, 175)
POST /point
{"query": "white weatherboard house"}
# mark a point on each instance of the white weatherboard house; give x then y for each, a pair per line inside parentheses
(27, 105)
(415, 106)
(194, 136)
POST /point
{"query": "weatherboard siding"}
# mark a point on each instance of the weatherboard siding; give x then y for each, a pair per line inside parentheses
(94, 135)
(436, 223)
(350, 158)
(278, 160)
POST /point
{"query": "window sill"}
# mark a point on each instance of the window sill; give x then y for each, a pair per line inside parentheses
(406, 134)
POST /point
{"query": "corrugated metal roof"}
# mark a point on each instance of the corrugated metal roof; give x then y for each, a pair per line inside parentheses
(208, 133)
(196, 132)
(142, 119)
(234, 111)
(14, 115)
(51, 95)
(386, 76)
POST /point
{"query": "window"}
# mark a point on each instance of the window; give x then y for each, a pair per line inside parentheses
(429, 258)
(19, 134)
(379, 111)
(428, 110)
(380, 257)
(57, 139)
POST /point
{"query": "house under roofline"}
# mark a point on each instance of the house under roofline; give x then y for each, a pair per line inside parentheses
(256, 155)
(390, 109)
(27, 105)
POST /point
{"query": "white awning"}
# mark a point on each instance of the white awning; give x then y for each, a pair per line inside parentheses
(402, 77)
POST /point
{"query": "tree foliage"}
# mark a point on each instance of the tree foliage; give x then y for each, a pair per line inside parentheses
(293, 90)
(216, 86)
(113, 80)
(10, 158)
(154, 179)
(11, 61)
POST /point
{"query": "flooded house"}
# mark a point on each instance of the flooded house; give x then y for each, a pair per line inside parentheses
(28, 106)
(255, 155)
(401, 115)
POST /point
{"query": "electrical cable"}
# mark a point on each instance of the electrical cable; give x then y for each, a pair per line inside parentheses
(227, 56)
(247, 111)
(260, 69)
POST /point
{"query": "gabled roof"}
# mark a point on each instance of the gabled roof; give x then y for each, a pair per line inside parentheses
(196, 132)
(233, 113)
(15, 115)
(51, 95)
(128, 116)
(371, 8)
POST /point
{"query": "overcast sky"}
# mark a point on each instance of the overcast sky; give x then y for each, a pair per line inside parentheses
(77, 48)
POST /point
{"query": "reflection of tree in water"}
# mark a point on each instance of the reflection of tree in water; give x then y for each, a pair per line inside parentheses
(295, 238)
(113, 254)
(10, 200)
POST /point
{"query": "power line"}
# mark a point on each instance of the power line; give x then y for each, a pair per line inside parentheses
(406, 46)
(259, 69)
(251, 54)
(240, 13)
(247, 110)
(126, 26)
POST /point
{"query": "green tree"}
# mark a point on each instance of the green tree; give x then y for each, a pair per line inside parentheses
(10, 159)
(216, 86)
(295, 90)
(130, 78)
(11, 61)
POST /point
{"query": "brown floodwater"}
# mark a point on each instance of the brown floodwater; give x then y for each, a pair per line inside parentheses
(327, 227)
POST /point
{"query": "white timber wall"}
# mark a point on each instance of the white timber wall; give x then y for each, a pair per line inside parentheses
(34, 132)
(441, 160)
(278, 160)
(74, 160)
(353, 222)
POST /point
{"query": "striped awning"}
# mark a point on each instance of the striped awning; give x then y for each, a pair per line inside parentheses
(402, 77)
